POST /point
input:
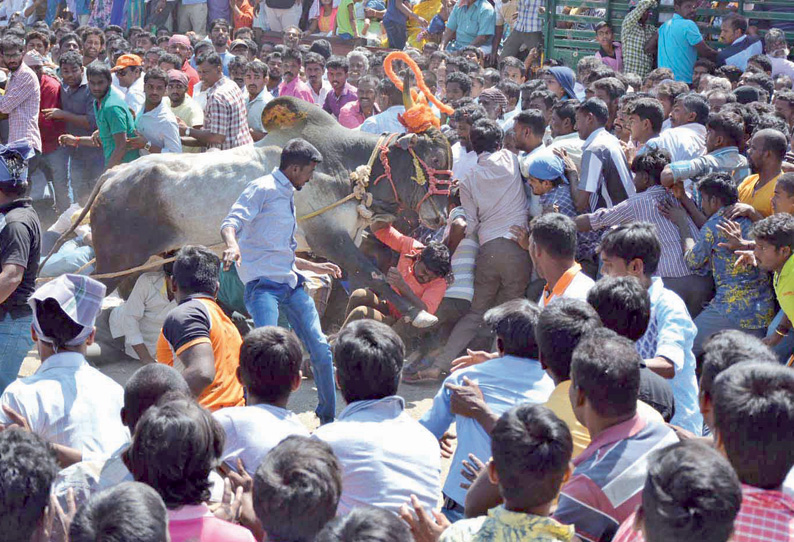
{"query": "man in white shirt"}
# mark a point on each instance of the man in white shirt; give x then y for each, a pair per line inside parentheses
(390, 100)
(563, 131)
(156, 126)
(128, 70)
(463, 156)
(270, 362)
(314, 66)
(686, 140)
(386, 456)
(258, 97)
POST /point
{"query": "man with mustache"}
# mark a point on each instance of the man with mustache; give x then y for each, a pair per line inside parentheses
(291, 83)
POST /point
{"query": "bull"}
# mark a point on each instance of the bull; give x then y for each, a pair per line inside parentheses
(161, 202)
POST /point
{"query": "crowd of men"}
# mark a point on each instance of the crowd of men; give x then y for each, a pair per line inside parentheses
(613, 289)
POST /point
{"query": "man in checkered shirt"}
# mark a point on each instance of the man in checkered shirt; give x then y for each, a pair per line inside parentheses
(527, 29)
(21, 99)
(225, 115)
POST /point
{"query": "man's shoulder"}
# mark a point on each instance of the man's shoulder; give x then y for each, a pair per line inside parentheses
(463, 530)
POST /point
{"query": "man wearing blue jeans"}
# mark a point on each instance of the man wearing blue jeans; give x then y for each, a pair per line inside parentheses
(20, 242)
(259, 233)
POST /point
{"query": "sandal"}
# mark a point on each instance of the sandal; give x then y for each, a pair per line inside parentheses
(422, 376)
(418, 365)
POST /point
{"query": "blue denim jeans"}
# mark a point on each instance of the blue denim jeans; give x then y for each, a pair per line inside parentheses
(15, 341)
(785, 347)
(710, 321)
(263, 298)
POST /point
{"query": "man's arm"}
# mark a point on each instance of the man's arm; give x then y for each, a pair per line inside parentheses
(132, 313)
(457, 232)
(210, 133)
(206, 137)
(120, 141)
(676, 333)
(65, 116)
(706, 51)
(199, 362)
(10, 278)
(633, 17)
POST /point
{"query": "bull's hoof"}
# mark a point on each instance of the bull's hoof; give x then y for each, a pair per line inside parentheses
(424, 319)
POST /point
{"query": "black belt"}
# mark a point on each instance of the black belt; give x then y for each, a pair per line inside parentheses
(452, 505)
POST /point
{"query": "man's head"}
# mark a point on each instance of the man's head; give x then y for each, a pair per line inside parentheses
(552, 242)
(93, 42)
(210, 68)
(767, 150)
(145, 41)
(27, 470)
(717, 190)
(647, 168)
(703, 66)
(237, 68)
(299, 158)
(433, 263)
(179, 44)
(623, 305)
(512, 69)
(542, 100)
(128, 512)
(168, 61)
(718, 98)
(367, 92)
(256, 73)
(297, 488)
(128, 69)
(337, 69)
(71, 64)
(358, 65)
(99, 78)
(274, 64)
(388, 94)
(689, 108)
(239, 48)
(784, 105)
(146, 387)
(783, 199)
(314, 67)
(530, 126)
(686, 8)
(560, 327)
(494, 101)
(646, 116)
(155, 83)
(760, 62)
(513, 323)
(12, 49)
(366, 524)
(691, 493)
(270, 364)
(369, 358)
(196, 271)
(563, 118)
(605, 379)
(545, 171)
(724, 130)
(734, 26)
(609, 90)
(290, 65)
(774, 241)
(70, 42)
(754, 421)
(531, 450)
(464, 118)
(604, 34)
(590, 116)
(656, 77)
(631, 250)
(37, 41)
(219, 34)
(458, 85)
(725, 349)
(485, 136)
(292, 37)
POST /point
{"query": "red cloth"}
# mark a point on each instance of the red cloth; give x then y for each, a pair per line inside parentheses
(246, 18)
(192, 76)
(430, 293)
(50, 98)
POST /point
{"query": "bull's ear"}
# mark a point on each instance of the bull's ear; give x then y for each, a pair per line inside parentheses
(407, 141)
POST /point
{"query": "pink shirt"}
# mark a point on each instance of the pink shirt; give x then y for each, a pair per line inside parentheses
(616, 62)
(296, 88)
(350, 116)
(195, 523)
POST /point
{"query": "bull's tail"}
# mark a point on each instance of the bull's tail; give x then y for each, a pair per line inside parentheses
(62, 239)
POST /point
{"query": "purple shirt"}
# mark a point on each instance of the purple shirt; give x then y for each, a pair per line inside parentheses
(333, 104)
(297, 89)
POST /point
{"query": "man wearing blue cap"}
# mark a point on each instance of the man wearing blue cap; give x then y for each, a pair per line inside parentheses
(20, 242)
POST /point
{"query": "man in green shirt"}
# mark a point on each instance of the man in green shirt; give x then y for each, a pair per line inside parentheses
(114, 120)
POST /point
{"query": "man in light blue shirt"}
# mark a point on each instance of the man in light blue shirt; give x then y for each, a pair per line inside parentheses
(514, 377)
(471, 23)
(386, 455)
(634, 250)
(680, 42)
(259, 233)
(390, 100)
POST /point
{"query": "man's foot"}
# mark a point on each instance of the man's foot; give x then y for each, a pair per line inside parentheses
(431, 374)
(424, 319)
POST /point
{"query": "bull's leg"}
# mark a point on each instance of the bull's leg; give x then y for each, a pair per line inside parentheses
(338, 247)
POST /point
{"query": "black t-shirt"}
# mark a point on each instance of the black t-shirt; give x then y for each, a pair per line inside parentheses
(657, 392)
(20, 244)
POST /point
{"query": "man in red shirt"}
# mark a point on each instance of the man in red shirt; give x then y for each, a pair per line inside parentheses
(179, 44)
(420, 277)
(53, 161)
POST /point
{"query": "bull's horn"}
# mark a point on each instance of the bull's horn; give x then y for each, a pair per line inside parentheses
(408, 101)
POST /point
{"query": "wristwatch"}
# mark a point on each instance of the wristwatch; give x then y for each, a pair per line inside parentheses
(187, 131)
(147, 146)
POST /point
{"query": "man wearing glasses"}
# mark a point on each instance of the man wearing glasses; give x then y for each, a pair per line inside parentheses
(22, 97)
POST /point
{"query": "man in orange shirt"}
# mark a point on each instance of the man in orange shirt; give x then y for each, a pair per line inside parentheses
(197, 338)
(765, 153)
(420, 277)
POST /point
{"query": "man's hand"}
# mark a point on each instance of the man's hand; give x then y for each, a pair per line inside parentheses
(230, 256)
(424, 528)
(467, 399)
(53, 113)
(675, 214)
(242, 480)
(567, 162)
(471, 470)
(773, 340)
(733, 231)
(746, 258)
(472, 358)
(520, 236)
(229, 508)
(396, 280)
(629, 151)
(743, 209)
(182, 126)
(67, 140)
(64, 517)
(446, 444)
(138, 142)
(96, 139)
(667, 177)
(328, 268)
(16, 419)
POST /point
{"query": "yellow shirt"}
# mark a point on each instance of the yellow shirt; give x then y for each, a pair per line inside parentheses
(760, 200)
(784, 288)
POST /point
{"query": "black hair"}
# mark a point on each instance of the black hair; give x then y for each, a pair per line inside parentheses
(754, 420)
(70, 58)
(597, 108)
(736, 22)
(531, 449)
(706, 63)
(786, 183)
(774, 122)
(671, 89)
(369, 358)
(290, 54)
(114, 28)
(387, 88)
(606, 368)
(691, 493)
(513, 323)
(257, 66)
(219, 22)
(720, 186)
(560, 327)
(491, 76)
(602, 24)
(659, 75)
(436, 258)
(650, 109)
(128, 512)
(510, 89)
(763, 61)
(785, 96)
(746, 94)
(652, 162)
(598, 72)
(623, 305)
(546, 96)
(297, 488)
(270, 361)
(371, 79)
(533, 119)
(763, 80)
(555, 233)
(774, 141)
(566, 110)
(94, 31)
(730, 72)
(97, 68)
(634, 240)
(171, 58)
(238, 61)
(366, 524)
(511, 62)
(147, 386)
(337, 63)
(55, 323)
(695, 103)
(27, 469)
(777, 230)
(155, 73)
(322, 47)
(729, 125)
(462, 80)
(212, 58)
(612, 85)
(197, 270)
(70, 36)
(469, 113)
(176, 445)
(725, 349)
(486, 136)
(148, 36)
(299, 152)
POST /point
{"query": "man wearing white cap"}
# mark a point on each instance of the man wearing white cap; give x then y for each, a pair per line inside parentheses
(68, 402)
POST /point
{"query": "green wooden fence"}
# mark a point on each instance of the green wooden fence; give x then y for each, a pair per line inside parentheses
(571, 44)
